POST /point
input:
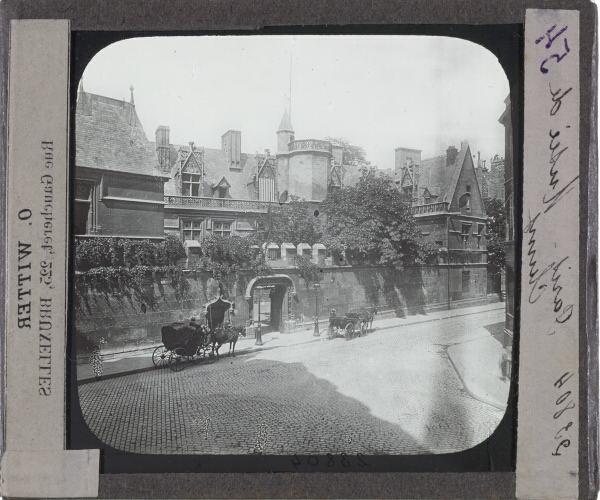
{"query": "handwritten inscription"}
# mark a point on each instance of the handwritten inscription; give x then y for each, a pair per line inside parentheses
(550, 269)
(546, 279)
(552, 36)
(564, 403)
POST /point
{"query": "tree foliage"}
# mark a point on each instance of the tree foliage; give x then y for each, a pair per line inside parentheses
(309, 271)
(496, 234)
(224, 257)
(371, 222)
(295, 222)
(352, 155)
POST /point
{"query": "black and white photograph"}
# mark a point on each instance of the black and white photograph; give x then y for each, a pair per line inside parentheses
(293, 245)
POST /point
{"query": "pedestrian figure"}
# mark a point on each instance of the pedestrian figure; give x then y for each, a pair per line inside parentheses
(96, 361)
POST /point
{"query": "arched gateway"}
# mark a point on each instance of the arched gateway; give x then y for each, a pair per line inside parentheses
(274, 295)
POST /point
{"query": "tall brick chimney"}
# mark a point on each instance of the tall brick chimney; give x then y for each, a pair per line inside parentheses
(451, 154)
(231, 143)
(163, 149)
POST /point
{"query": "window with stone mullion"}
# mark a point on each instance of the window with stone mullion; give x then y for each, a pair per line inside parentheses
(190, 184)
(192, 230)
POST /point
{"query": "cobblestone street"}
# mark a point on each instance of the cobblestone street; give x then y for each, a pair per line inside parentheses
(391, 392)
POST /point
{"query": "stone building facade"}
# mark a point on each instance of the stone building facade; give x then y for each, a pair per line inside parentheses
(448, 206)
(127, 186)
(119, 189)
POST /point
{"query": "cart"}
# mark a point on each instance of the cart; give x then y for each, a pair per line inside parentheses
(348, 326)
(183, 342)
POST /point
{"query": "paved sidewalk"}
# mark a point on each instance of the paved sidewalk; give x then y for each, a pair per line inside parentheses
(478, 364)
(117, 364)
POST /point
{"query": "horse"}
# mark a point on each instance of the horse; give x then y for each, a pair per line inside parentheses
(228, 334)
(368, 316)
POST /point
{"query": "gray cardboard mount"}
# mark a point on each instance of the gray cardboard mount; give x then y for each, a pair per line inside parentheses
(157, 16)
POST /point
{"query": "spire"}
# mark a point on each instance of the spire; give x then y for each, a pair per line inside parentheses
(286, 123)
(84, 103)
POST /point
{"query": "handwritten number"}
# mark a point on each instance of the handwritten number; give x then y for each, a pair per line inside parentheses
(361, 462)
(297, 462)
(565, 443)
(560, 412)
(330, 462)
(551, 38)
(312, 460)
(345, 462)
(555, 56)
(562, 380)
(565, 428)
(562, 398)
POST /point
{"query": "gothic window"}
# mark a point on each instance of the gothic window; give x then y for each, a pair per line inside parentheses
(465, 232)
(190, 184)
(222, 228)
(192, 230)
(266, 189)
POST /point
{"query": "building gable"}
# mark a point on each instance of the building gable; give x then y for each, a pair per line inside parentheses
(268, 169)
(192, 164)
(407, 180)
(465, 190)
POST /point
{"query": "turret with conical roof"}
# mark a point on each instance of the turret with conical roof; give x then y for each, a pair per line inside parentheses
(285, 133)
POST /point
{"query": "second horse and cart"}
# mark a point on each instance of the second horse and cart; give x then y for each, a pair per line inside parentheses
(191, 341)
(353, 324)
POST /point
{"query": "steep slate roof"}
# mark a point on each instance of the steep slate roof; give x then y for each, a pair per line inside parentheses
(286, 123)
(441, 179)
(215, 168)
(105, 140)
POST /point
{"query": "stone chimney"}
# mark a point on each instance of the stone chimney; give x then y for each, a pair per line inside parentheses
(163, 148)
(451, 154)
(231, 143)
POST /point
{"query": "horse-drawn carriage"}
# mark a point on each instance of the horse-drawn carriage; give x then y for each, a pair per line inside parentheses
(220, 326)
(354, 323)
(184, 342)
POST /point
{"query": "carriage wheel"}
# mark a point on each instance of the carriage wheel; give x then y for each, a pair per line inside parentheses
(176, 360)
(160, 356)
(349, 331)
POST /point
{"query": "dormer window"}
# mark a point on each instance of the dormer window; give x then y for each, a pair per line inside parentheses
(190, 184)
(222, 192)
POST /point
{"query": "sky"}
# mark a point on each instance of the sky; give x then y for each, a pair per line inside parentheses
(378, 92)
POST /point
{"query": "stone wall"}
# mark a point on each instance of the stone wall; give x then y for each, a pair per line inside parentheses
(416, 290)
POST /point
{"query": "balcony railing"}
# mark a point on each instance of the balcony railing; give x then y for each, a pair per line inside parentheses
(217, 203)
(311, 144)
(430, 208)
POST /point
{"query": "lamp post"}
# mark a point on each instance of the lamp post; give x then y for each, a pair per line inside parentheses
(258, 328)
(317, 333)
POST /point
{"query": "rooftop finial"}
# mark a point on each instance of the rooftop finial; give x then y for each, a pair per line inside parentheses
(131, 89)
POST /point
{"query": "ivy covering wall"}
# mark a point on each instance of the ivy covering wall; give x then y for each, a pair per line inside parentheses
(128, 270)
